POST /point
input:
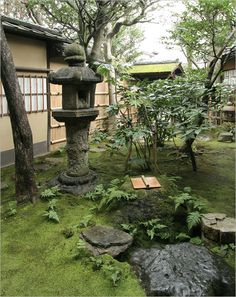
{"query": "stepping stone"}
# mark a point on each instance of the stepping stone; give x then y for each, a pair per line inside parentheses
(54, 161)
(218, 227)
(225, 137)
(101, 240)
(41, 167)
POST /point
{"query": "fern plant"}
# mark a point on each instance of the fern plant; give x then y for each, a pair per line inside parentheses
(47, 194)
(155, 229)
(51, 213)
(109, 197)
(192, 205)
(11, 211)
(193, 219)
(96, 194)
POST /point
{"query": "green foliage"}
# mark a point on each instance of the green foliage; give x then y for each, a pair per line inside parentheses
(192, 205)
(108, 267)
(182, 237)
(125, 45)
(81, 250)
(204, 27)
(132, 229)
(68, 232)
(224, 249)
(50, 193)
(11, 211)
(196, 240)
(98, 136)
(111, 196)
(155, 229)
(86, 221)
(51, 213)
(96, 194)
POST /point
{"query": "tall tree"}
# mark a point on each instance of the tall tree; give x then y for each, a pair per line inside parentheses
(93, 22)
(205, 32)
(25, 185)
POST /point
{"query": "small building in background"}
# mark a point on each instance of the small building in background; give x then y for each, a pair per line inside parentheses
(156, 70)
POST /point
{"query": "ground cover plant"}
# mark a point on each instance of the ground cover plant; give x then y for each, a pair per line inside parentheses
(39, 255)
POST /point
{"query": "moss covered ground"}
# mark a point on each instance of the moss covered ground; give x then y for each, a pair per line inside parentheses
(37, 259)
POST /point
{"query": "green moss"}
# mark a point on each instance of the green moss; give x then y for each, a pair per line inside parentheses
(153, 68)
(37, 259)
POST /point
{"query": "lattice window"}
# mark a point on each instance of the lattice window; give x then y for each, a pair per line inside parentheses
(34, 91)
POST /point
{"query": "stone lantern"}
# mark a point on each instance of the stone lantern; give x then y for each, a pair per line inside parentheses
(78, 90)
(228, 112)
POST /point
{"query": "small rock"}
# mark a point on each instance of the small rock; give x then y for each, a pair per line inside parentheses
(41, 167)
(54, 161)
(97, 149)
(182, 270)
(218, 227)
(225, 137)
(102, 240)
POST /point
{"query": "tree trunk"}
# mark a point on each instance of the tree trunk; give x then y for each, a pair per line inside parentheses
(25, 185)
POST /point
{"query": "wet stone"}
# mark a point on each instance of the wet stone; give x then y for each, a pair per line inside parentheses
(102, 240)
(182, 270)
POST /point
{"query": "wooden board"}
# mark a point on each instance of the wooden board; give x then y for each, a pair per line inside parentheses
(145, 182)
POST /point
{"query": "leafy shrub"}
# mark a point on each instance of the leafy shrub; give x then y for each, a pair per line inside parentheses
(98, 136)
(50, 193)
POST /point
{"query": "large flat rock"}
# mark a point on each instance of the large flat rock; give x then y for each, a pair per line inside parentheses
(182, 270)
(102, 239)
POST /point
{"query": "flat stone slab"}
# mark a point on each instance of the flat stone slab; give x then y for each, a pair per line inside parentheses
(182, 270)
(54, 161)
(225, 137)
(218, 227)
(41, 167)
(102, 240)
